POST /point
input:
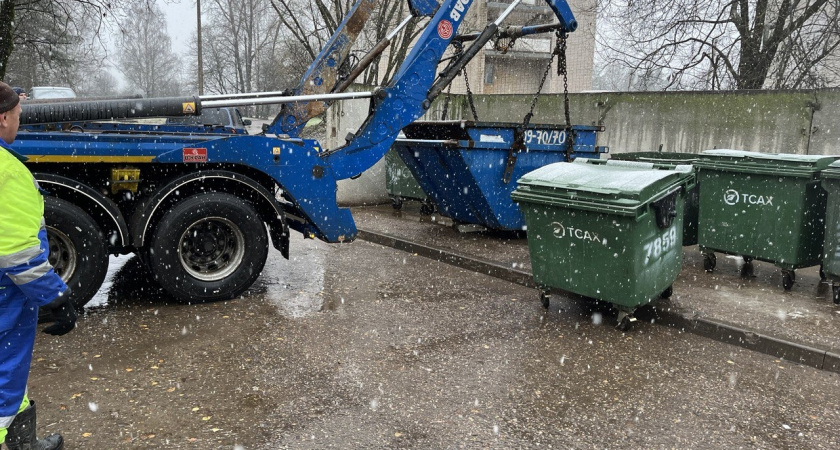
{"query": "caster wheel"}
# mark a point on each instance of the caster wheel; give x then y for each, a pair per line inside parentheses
(545, 299)
(822, 273)
(709, 262)
(427, 208)
(748, 259)
(747, 270)
(396, 203)
(835, 294)
(625, 321)
(667, 293)
(788, 278)
(624, 324)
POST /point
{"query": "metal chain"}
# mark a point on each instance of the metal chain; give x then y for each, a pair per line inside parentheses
(470, 95)
(557, 51)
(459, 48)
(562, 70)
(446, 102)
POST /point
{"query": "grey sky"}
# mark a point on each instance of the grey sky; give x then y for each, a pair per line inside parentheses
(180, 25)
(180, 22)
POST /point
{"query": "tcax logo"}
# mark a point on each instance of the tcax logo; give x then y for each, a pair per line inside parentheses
(562, 231)
(733, 197)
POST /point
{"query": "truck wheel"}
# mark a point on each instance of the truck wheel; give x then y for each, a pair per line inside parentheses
(209, 247)
(78, 252)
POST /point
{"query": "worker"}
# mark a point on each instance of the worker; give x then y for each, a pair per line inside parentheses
(27, 282)
(20, 92)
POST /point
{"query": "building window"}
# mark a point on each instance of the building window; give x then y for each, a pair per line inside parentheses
(489, 72)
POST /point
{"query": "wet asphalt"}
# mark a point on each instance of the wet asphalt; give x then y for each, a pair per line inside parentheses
(364, 346)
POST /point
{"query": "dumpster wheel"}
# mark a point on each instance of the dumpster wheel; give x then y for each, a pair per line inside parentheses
(427, 208)
(788, 278)
(668, 292)
(396, 202)
(545, 298)
(709, 262)
(822, 273)
(625, 321)
(835, 293)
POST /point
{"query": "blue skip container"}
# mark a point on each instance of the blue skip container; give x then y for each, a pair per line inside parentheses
(467, 168)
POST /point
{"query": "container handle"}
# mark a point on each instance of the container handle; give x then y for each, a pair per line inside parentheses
(666, 209)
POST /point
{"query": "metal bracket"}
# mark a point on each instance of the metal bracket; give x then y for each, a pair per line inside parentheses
(517, 146)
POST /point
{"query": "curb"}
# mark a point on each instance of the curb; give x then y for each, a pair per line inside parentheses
(719, 331)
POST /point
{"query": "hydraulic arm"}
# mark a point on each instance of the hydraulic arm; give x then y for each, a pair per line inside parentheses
(322, 75)
(306, 173)
(415, 85)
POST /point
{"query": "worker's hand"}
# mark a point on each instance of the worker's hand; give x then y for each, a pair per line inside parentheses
(63, 313)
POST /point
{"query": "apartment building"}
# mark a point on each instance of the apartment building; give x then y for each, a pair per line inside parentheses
(519, 69)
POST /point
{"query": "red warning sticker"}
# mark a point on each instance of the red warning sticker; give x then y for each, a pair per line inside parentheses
(195, 155)
(445, 29)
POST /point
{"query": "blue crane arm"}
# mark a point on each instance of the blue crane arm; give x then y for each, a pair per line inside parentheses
(564, 14)
(323, 72)
(410, 93)
(322, 75)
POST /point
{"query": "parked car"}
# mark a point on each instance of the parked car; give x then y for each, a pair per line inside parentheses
(43, 92)
(229, 118)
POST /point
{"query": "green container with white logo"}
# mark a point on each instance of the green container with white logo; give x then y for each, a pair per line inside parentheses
(768, 207)
(831, 248)
(607, 231)
(670, 160)
(400, 184)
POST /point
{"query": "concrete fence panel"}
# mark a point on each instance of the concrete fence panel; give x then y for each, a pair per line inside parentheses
(803, 122)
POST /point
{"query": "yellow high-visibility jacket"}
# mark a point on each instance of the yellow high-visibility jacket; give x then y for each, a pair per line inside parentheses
(27, 280)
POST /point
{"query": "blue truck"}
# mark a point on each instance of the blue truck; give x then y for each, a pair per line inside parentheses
(199, 209)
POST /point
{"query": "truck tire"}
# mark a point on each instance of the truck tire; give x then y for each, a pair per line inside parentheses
(78, 251)
(209, 247)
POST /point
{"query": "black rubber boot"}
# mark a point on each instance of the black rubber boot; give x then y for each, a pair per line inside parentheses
(21, 434)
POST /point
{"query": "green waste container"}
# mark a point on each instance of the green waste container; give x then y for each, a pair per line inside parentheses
(768, 207)
(669, 160)
(401, 184)
(831, 250)
(612, 232)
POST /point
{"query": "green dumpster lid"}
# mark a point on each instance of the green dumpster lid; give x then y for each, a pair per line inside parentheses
(624, 185)
(663, 158)
(832, 171)
(764, 163)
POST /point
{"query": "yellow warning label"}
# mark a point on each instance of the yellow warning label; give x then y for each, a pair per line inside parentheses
(189, 107)
(275, 150)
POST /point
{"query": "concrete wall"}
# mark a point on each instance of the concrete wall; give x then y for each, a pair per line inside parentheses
(803, 122)
(369, 189)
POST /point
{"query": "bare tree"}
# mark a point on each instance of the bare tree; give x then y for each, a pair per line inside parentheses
(52, 35)
(146, 57)
(311, 23)
(239, 38)
(722, 44)
(98, 84)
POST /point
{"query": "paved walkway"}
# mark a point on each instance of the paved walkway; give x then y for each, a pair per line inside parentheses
(734, 305)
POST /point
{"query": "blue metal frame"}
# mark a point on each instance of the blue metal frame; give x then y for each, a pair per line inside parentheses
(465, 177)
(306, 173)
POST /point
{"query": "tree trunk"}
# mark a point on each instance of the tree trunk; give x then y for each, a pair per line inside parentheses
(7, 43)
